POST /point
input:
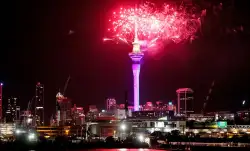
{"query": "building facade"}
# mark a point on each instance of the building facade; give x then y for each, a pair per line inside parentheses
(65, 111)
(78, 116)
(10, 110)
(185, 101)
(111, 104)
(39, 104)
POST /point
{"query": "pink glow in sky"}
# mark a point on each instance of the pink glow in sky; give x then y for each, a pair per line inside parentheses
(154, 25)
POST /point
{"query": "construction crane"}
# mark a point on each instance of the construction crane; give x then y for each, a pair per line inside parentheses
(207, 97)
(25, 119)
(60, 97)
(66, 85)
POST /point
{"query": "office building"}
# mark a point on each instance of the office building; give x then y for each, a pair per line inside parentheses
(93, 113)
(150, 114)
(7, 129)
(10, 110)
(111, 104)
(148, 106)
(171, 106)
(185, 101)
(26, 118)
(18, 110)
(65, 111)
(93, 108)
(39, 104)
(78, 115)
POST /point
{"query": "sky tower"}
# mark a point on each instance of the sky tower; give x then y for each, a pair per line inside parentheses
(136, 55)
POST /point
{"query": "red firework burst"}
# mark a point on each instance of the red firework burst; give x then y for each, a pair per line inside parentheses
(178, 24)
(153, 25)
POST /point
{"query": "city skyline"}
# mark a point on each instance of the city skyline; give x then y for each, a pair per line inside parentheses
(46, 50)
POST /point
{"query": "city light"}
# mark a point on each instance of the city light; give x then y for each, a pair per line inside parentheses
(18, 131)
(123, 127)
(29, 120)
(32, 137)
(141, 138)
(67, 132)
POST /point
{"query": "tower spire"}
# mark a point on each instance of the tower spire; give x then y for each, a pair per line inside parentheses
(136, 31)
(136, 44)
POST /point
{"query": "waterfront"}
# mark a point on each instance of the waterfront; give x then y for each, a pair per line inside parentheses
(124, 149)
(101, 146)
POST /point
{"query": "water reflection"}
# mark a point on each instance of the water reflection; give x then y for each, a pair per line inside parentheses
(124, 149)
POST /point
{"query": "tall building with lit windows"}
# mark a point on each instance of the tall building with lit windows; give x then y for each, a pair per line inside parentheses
(185, 101)
(39, 104)
(78, 115)
(10, 110)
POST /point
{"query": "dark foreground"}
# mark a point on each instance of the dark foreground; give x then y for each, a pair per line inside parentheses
(61, 146)
(102, 146)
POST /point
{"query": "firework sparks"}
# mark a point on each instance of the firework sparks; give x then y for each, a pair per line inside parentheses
(144, 21)
(153, 25)
(178, 24)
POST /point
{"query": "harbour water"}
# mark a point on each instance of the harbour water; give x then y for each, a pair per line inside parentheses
(124, 149)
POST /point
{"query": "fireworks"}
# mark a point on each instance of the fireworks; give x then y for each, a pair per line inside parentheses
(152, 25)
(178, 24)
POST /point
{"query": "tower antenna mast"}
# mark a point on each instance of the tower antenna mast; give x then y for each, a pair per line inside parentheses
(66, 85)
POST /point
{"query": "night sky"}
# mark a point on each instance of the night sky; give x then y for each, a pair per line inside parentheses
(38, 46)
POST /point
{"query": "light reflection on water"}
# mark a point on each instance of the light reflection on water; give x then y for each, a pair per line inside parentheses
(121, 149)
(124, 149)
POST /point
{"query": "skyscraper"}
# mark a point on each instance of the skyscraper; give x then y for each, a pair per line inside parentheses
(185, 101)
(39, 104)
(1, 105)
(10, 110)
(17, 113)
(63, 109)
